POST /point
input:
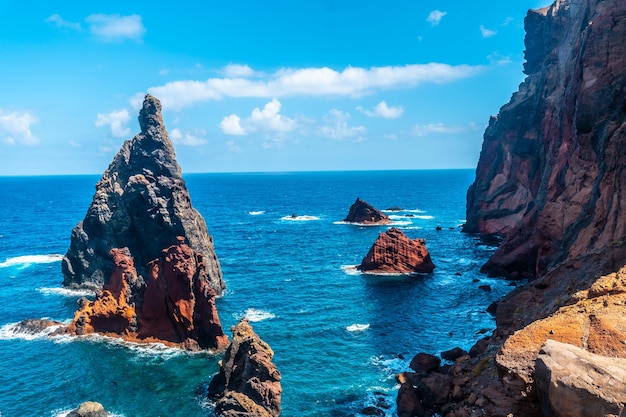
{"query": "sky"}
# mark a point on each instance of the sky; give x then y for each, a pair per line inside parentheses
(250, 86)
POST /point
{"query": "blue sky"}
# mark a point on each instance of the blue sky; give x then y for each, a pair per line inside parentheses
(252, 86)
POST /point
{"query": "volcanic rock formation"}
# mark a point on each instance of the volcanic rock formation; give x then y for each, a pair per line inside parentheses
(141, 203)
(394, 253)
(248, 383)
(551, 176)
(89, 409)
(177, 307)
(364, 213)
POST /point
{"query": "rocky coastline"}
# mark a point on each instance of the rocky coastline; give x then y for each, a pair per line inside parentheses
(549, 183)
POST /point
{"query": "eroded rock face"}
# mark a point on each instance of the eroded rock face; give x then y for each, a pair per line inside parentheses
(573, 382)
(393, 252)
(141, 203)
(550, 177)
(364, 213)
(177, 307)
(248, 383)
(89, 409)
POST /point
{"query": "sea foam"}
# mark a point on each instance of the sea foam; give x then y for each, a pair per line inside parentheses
(66, 292)
(357, 327)
(254, 315)
(256, 213)
(27, 260)
(296, 218)
(13, 331)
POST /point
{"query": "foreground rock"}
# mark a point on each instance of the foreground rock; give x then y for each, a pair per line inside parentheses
(394, 253)
(89, 409)
(141, 203)
(550, 176)
(364, 213)
(177, 307)
(573, 382)
(248, 383)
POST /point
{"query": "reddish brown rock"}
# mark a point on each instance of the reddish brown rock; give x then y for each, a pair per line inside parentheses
(364, 213)
(393, 252)
(176, 308)
(248, 383)
(550, 178)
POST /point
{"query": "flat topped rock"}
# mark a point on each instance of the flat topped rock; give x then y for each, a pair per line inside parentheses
(393, 252)
(141, 203)
(364, 213)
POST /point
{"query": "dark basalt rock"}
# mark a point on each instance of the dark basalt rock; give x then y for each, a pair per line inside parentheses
(141, 203)
(364, 213)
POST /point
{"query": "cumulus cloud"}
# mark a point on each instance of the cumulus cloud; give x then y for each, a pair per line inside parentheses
(15, 128)
(383, 110)
(435, 17)
(267, 119)
(187, 138)
(336, 126)
(487, 33)
(235, 70)
(114, 27)
(440, 128)
(352, 82)
(117, 120)
(61, 23)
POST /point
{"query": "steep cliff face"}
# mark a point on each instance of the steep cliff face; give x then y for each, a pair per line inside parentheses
(141, 203)
(551, 179)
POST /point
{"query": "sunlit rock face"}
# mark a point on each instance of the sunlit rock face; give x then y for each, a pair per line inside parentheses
(551, 178)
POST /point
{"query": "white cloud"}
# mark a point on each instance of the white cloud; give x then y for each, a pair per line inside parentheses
(435, 17)
(267, 119)
(117, 120)
(232, 146)
(15, 128)
(391, 136)
(111, 28)
(507, 21)
(62, 23)
(231, 125)
(337, 127)
(352, 81)
(235, 70)
(383, 110)
(487, 33)
(497, 59)
(440, 128)
(187, 138)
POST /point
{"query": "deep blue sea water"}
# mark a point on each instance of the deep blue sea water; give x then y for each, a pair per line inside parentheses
(339, 337)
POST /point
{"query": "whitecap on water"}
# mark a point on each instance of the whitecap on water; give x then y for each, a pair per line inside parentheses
(66, 292)
(13, 331)
(64, 413)
(351, 269)
(297, 218)
(357, 327)
(26, 260)
(256, 213)
(254, 315)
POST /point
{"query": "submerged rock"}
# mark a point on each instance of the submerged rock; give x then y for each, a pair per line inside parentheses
(393, 252)
(248, 383)
(177, 307)
(141, 203)
(364, 213)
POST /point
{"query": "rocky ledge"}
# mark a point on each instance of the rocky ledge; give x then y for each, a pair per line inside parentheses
(141, 203)
(176, 307)
(394, 253)
(364, 213)
(248, 383)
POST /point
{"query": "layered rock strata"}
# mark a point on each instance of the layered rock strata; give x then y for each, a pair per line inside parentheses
(141, 203)
(550, 178)
(364, 213)
(394, 253)
(176, 307)
(248, 383)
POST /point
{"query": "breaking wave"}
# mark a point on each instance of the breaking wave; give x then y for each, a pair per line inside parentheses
(357, 327)
(27, 260)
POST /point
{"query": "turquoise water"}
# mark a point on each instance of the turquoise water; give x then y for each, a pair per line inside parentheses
(338, 337)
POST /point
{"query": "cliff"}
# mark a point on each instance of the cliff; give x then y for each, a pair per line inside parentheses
(551, 176)
(141, 203)
(248, 383)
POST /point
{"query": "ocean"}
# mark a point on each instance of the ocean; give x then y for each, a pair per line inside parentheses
(339, 337)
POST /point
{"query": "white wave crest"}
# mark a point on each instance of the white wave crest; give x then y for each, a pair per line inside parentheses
(424, 217)
(64, 413)
(357, 327)
(66, 292)
(398, 223)
(254, 315)
(26, 260)
(296, 218)
(256, 213)
(351, 269)
(13, 331)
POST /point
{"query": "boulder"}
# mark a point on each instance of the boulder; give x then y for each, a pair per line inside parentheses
(248, 383)
(393, 252)
(364, 213)
(141, 203)
(89, 409)
(424, 363)
(573, 382)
